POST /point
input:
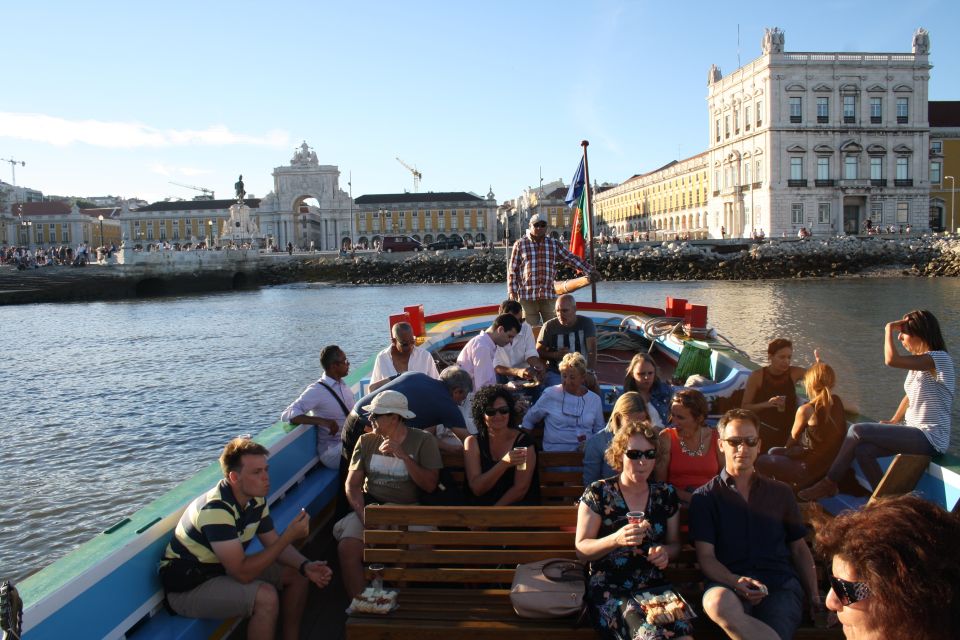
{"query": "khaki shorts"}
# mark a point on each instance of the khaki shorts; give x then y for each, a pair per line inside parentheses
(223, 597)
(350, 527)
(534, 309)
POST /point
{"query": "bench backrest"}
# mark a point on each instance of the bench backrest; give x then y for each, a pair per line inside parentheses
(556, 487)
(901, 477)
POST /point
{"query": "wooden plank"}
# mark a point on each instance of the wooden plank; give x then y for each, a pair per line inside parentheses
(466, 517)
(447, 575)
(560, 492)
(901, 477)
(538, 539)
(472, 557)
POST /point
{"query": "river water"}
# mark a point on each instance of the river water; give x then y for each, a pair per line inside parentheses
(108, 405)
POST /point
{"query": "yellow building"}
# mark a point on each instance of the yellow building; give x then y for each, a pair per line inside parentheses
(180, 222)
(425, 217)
(662, 204)
(55, 223)
(944, 164)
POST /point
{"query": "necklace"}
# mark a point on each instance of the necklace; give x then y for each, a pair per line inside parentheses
(696, 453)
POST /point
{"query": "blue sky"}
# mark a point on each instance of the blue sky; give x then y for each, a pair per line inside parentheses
(119, 98)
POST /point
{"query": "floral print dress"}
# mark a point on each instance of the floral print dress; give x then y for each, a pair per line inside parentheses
(625, 572)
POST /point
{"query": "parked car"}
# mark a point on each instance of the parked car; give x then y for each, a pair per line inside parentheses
(400, 243)
(455, 242)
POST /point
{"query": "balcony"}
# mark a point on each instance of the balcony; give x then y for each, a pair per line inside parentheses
(823, 119)
(906, 182)
(902, 119)
(796, 183)
(795, 119)
(849, 119)
(876, 120)
(824, 183)
(856, 183)
(878, 182)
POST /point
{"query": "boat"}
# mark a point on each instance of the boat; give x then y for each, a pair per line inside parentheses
(108, 587)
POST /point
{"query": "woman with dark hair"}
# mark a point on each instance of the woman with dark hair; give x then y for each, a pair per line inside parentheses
(818, 430)
(500, 460)
(693, 456)
(895, 570)
(921, 424)
(771, 392)
(643, 376)
(628, 529)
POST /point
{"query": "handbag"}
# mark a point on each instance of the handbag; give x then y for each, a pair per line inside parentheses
(551, 588)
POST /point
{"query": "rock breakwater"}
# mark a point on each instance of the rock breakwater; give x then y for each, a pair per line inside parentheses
(835, 257)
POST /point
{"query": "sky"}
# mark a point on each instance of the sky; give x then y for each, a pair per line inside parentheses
(104, 98)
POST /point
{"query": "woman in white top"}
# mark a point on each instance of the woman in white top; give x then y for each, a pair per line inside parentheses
(921, 424)
(571, 412)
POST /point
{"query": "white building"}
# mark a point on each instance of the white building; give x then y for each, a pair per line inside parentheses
(824, 141)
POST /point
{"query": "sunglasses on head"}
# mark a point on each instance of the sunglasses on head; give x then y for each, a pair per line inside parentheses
(492, 411)
(848, 592)
(636, 454)
(736, 442)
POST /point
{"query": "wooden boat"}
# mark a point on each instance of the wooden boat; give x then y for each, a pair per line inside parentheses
(108, 587)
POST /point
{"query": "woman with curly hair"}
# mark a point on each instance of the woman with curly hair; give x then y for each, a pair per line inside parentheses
(895, 571)
(628, 555)
(500, 460)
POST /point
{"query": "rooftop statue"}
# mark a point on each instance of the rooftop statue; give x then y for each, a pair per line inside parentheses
(304, 156)
(772, 40)
(714, 74)
(921, 42)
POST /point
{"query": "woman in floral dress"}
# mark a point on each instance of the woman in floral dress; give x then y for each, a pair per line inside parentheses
(628, 559)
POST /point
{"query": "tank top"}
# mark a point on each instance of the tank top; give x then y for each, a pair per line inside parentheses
(822, 441)
(689, 472)
(781, 421)
(506, 480)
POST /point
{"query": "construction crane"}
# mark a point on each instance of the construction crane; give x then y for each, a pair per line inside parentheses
(417, 176)
(207, 193)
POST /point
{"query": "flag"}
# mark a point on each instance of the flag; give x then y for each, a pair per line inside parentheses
(577, 200)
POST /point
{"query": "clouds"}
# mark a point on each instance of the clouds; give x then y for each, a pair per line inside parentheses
(61, 132)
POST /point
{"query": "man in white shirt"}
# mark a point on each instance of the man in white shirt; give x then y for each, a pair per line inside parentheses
(477, 356)
(401, 356)
(520, 359)
(326, 404)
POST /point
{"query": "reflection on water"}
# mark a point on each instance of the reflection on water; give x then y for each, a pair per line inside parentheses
(108, 405)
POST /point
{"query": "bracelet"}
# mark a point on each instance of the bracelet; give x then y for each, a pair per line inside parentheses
(302, 565)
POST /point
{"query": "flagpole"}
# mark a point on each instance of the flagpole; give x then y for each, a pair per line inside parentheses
(589, 212)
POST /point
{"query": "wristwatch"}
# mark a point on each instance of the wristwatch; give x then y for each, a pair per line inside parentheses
(302, 565)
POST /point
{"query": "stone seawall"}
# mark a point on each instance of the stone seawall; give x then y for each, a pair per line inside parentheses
(920, 256)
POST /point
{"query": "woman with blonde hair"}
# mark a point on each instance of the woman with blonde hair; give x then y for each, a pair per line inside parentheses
(571, 413)
(629, 407)
(643, 376)
(818, 430)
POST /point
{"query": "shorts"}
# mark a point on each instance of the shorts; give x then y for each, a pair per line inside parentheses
(223, 596)
(781, 610)
(350, 527)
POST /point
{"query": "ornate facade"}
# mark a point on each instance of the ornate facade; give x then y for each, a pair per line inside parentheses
(426, 217)
(944, 164)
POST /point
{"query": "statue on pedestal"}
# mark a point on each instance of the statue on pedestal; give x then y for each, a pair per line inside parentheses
(241, 192)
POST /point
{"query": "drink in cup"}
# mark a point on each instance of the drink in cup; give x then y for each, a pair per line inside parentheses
(635, 517)
(522, 466)
(782, 403)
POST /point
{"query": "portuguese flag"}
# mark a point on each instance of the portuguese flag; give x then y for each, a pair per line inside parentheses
(577, 200)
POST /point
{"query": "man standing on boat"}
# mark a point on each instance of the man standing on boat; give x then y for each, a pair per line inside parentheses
(401, 356)
(749, 537)
(205, 570)
(533, 268)
(325, 403)
(477, 357)
(568, 333)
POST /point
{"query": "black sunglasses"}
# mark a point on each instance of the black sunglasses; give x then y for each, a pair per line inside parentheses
(736, 442)
(849, 592)
(492, 411)
(539, 224)
(636, 454)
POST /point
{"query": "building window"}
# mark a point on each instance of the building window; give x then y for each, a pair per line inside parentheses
(759, 172)
(876, 110)
(796, 213)
(150, 232)
(903, 110)
(53, 235)
(849, 109)
(736, 121)
(746, 175)
(796, 168)
(850, 168)
(876, 211)
(936, 146)
(726, 126)
(717, 129)
(935, 173)
(876, 167)
(823, 167)
(746, 117)
(903, 168)
(823, 213)
(759, 112)
(903, 211)
(823, 109)
(796, 109)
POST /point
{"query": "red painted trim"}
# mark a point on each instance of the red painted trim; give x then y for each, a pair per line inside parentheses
(627, 309)
(462, 313)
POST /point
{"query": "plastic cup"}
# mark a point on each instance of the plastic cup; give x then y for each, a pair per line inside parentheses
(523, 466)
(377, 581)
(635, 517)
(782, 405)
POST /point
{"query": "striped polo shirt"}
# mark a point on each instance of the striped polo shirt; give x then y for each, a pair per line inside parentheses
(216, 517)
(930, 396)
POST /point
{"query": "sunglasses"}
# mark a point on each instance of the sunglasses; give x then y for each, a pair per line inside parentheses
(636, 454)
(492, 411)
(736, 442)
(540, 224)
(849, 592)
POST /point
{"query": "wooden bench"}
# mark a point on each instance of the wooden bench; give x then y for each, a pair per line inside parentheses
(900, 478)
(556, 487)
(457, 579)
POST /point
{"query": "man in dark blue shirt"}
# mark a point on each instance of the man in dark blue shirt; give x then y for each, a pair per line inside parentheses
(433, 401)
(750, 543)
